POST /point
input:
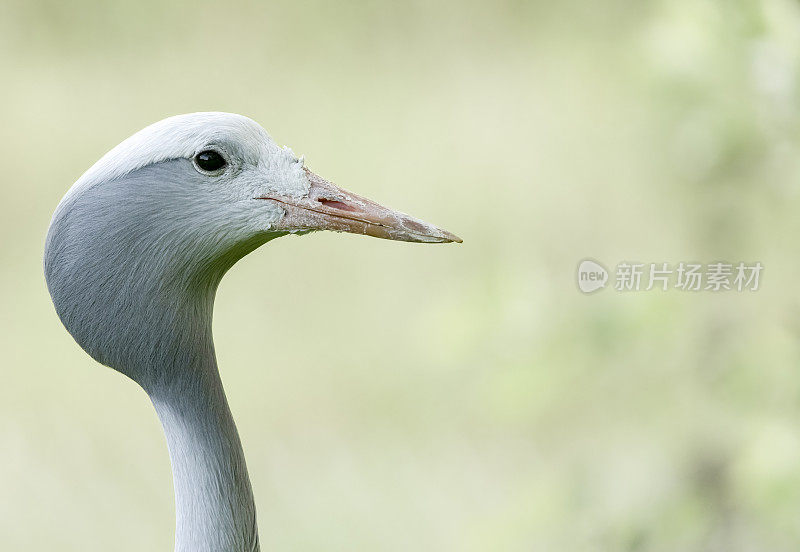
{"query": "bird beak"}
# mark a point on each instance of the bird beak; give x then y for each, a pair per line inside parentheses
(328, 207)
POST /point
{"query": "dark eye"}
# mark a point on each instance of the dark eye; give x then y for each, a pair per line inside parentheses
(210, 160)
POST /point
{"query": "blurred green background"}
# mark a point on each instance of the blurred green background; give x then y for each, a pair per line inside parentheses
(464, 398)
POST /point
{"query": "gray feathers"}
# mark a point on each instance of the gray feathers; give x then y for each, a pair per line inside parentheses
(133, 258)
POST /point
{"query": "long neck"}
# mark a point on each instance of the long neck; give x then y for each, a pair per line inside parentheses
(134, 283)
(213, 499)
(133, 265)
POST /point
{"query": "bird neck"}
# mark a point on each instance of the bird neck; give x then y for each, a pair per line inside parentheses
(214, 504)
(136, 291)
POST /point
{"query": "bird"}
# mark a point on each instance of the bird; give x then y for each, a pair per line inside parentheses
(133, 257)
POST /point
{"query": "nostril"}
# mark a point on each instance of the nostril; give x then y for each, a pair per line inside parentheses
(336, 204)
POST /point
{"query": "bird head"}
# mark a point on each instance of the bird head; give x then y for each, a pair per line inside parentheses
(163, 215)
(232, 163)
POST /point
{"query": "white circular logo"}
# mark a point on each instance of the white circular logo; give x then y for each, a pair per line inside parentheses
(591, 276)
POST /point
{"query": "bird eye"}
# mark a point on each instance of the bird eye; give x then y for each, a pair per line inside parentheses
(209, 160)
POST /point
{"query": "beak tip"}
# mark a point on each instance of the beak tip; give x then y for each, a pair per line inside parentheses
(434, 235)
(452, 238)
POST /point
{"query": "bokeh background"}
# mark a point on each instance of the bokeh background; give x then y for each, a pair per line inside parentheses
(453, 398)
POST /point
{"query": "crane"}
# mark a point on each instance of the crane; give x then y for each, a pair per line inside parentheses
(133, 257)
